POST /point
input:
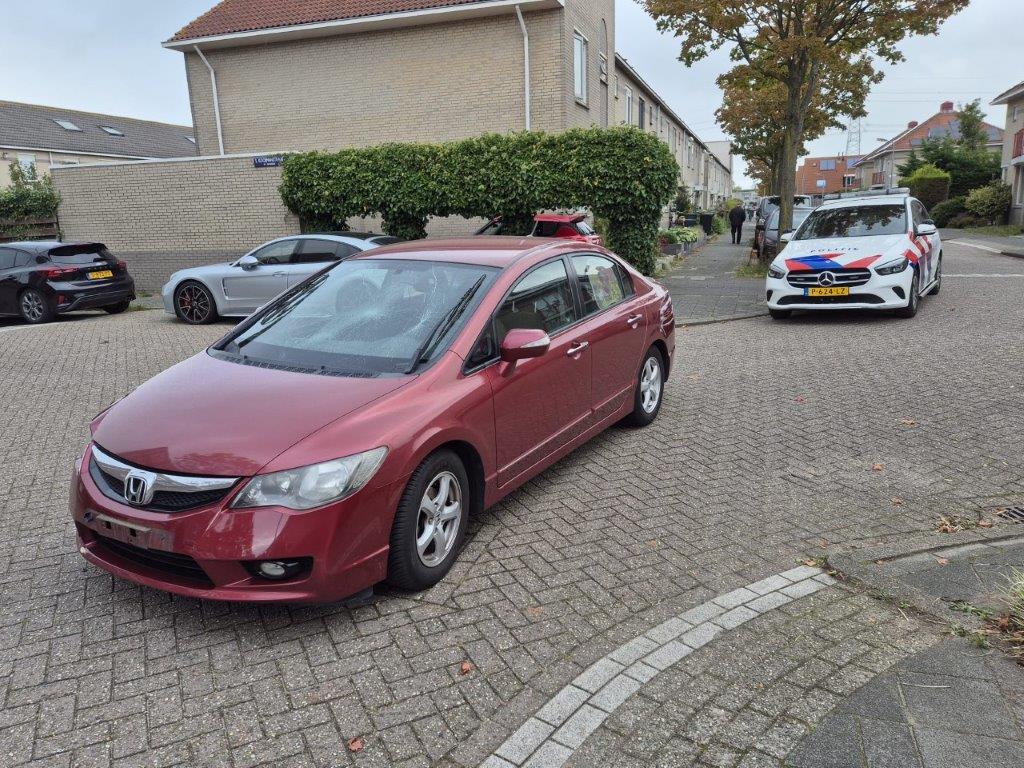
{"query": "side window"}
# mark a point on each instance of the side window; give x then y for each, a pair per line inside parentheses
(542, 299)
(276, 253)
(920, 212)
(7, 258)
(322, 252)
(599, 283)
(22, 259)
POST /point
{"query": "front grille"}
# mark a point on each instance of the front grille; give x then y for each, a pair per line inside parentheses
(856, 298)
(170, 563)
(845, 277)
(163, 501)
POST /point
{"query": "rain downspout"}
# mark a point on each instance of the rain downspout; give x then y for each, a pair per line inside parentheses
(216, 99)
(526, 64)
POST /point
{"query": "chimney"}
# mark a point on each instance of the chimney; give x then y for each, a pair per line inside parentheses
(912, 125)
(947, 106)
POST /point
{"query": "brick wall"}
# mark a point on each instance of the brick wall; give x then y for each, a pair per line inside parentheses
(437, 82)
(595, 20)
(162, 216)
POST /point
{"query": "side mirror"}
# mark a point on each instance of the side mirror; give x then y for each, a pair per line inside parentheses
(524, 343)
(248, 263)
(926, 228)
(787, 236)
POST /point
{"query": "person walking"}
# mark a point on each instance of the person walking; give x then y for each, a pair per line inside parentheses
(736, 218)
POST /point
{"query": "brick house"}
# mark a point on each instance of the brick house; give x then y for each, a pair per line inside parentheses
(1013, 147)
(823, 175)
(881, 166)
(41, 138)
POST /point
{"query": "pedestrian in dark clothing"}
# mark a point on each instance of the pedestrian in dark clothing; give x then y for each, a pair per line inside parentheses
(736, 217)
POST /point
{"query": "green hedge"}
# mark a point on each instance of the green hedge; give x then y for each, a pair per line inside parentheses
(947, 209)
(26, 201)
(991, 202)
(622, 175)
(929, 184)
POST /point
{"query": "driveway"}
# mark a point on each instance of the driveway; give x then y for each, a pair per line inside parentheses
(777, 443)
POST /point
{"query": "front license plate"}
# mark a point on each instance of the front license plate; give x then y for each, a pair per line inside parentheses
(102, 274)
(833, 291)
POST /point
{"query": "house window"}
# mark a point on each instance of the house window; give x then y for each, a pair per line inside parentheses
(67, 125)
(1016, 112)
(849, 180)
(28, 165)
(643, 113)
(579, 49)
(828, 165)
(112, 131)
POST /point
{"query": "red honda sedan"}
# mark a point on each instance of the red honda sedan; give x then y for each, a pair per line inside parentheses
(342, 436)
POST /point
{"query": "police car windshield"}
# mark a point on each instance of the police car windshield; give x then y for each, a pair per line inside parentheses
(855, 221)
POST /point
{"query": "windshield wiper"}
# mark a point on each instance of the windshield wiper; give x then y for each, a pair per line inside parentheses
(426, 349)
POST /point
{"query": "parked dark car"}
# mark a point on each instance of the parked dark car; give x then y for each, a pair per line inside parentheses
(767, 240)
(766, 205)
(40, 280)
(562, 226)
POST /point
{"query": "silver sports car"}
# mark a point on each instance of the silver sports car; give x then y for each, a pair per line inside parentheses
(236, 289)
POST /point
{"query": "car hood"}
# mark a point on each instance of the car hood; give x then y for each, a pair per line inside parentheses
(207, 416)
(842, 252)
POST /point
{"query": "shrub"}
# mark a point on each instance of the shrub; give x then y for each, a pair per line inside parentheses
(668, 237)
(719, 225)
(929, 184)
(623, 175)
(947, 209)
(686, 234)
(991, 203)
(962, 220)
(26, 201)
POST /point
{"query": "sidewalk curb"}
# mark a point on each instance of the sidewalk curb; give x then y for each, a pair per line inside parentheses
(879, 568)
(718, 320)
(1011, 254)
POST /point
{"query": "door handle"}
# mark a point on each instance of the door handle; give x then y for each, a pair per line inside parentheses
(577, 348)
(279, 274)
(634, 320)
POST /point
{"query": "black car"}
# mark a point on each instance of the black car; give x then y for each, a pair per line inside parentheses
(39, 280)
(767, 240)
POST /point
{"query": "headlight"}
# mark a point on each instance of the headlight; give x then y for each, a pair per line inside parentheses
(776, 272)
(313, 486)
(893, 267)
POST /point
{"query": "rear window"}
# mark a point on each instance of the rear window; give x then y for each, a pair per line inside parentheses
(80, 254)
(855, 221)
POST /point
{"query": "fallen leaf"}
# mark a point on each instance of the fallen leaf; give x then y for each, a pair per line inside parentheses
(897, 502)
(355, 744)
(876, 467)
(653, 543)
(942, 561)
(466, 667)
(984, 523)
(879, 562)
(534, 610)
(908, 422)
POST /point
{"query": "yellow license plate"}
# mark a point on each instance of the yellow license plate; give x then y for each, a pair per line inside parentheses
(101, 274)
(833, 291)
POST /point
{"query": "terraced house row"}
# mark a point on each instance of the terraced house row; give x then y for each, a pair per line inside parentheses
(273, 76)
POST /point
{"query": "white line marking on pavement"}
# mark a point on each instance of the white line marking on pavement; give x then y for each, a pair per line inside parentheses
(989, 274)
(560, 727)
(979, 246)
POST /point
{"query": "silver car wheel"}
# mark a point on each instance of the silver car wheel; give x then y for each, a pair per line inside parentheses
(32, 306)
(650, 385)
(194, 303)
(437, 528)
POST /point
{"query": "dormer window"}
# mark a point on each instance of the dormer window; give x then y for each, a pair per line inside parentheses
(67, 125)
(111, 131)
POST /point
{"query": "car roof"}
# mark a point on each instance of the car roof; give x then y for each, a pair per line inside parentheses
(340, 233)
(862, 201)
(43, 246)
(561, 218)
(492, 251)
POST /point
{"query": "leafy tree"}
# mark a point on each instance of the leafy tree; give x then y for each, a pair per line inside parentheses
(906, 170)
(801, 44)
(968, 168)
(684, 200)
(973, 136)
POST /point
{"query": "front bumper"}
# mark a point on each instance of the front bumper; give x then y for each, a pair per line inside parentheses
(73, 298)
(202, 553)
(880, 292)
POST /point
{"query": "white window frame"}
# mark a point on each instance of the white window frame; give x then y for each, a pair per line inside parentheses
(629, 105)
(580, 57)
(28, 166)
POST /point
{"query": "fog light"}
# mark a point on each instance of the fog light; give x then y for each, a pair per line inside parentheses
(62, 299)
(279, 570)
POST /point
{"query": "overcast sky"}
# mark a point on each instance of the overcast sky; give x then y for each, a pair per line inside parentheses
(105, 56)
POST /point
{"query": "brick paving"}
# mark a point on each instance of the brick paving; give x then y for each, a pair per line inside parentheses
(765, 453)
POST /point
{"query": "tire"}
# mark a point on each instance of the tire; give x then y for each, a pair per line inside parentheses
(117, 309)
(914, 301)
(938, 278)
(35, 308)
(415, 567)
(193, 303)
(780, 314)
(650, 389)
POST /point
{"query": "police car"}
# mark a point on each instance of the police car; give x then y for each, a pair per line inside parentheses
(871, 252)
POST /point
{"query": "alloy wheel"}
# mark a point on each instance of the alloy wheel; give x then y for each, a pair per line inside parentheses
(650, 385)
(440, 517)
(194, 303)
(32, 306)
